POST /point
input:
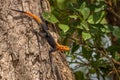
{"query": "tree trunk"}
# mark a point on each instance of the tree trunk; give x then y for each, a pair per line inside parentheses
(21, 56)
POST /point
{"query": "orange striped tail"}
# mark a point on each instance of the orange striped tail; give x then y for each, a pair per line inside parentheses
(37, 19)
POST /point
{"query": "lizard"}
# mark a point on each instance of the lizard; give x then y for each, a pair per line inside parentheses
(54, 44)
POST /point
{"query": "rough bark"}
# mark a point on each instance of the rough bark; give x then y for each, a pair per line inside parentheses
(21, 57)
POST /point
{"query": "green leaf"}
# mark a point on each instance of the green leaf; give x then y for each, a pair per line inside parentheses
(63, 27)
(73, 16)
(116, 31)
(96, 18)
(99, 7)
(50, 17)
(86, 35)
(80, 27)
(85, 12)
(84, 24)
(83, 5)
(105, 29)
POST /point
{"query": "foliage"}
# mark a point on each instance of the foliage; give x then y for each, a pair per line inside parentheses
(84, 26)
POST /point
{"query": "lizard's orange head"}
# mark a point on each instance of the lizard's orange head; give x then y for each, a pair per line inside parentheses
(62, 47)
(66, 48)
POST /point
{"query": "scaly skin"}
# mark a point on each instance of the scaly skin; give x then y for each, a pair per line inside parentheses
(55, 45)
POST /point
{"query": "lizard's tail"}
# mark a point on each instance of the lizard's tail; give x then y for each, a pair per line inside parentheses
(37, 19)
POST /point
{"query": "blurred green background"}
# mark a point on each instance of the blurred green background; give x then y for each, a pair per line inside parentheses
(92, 30)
